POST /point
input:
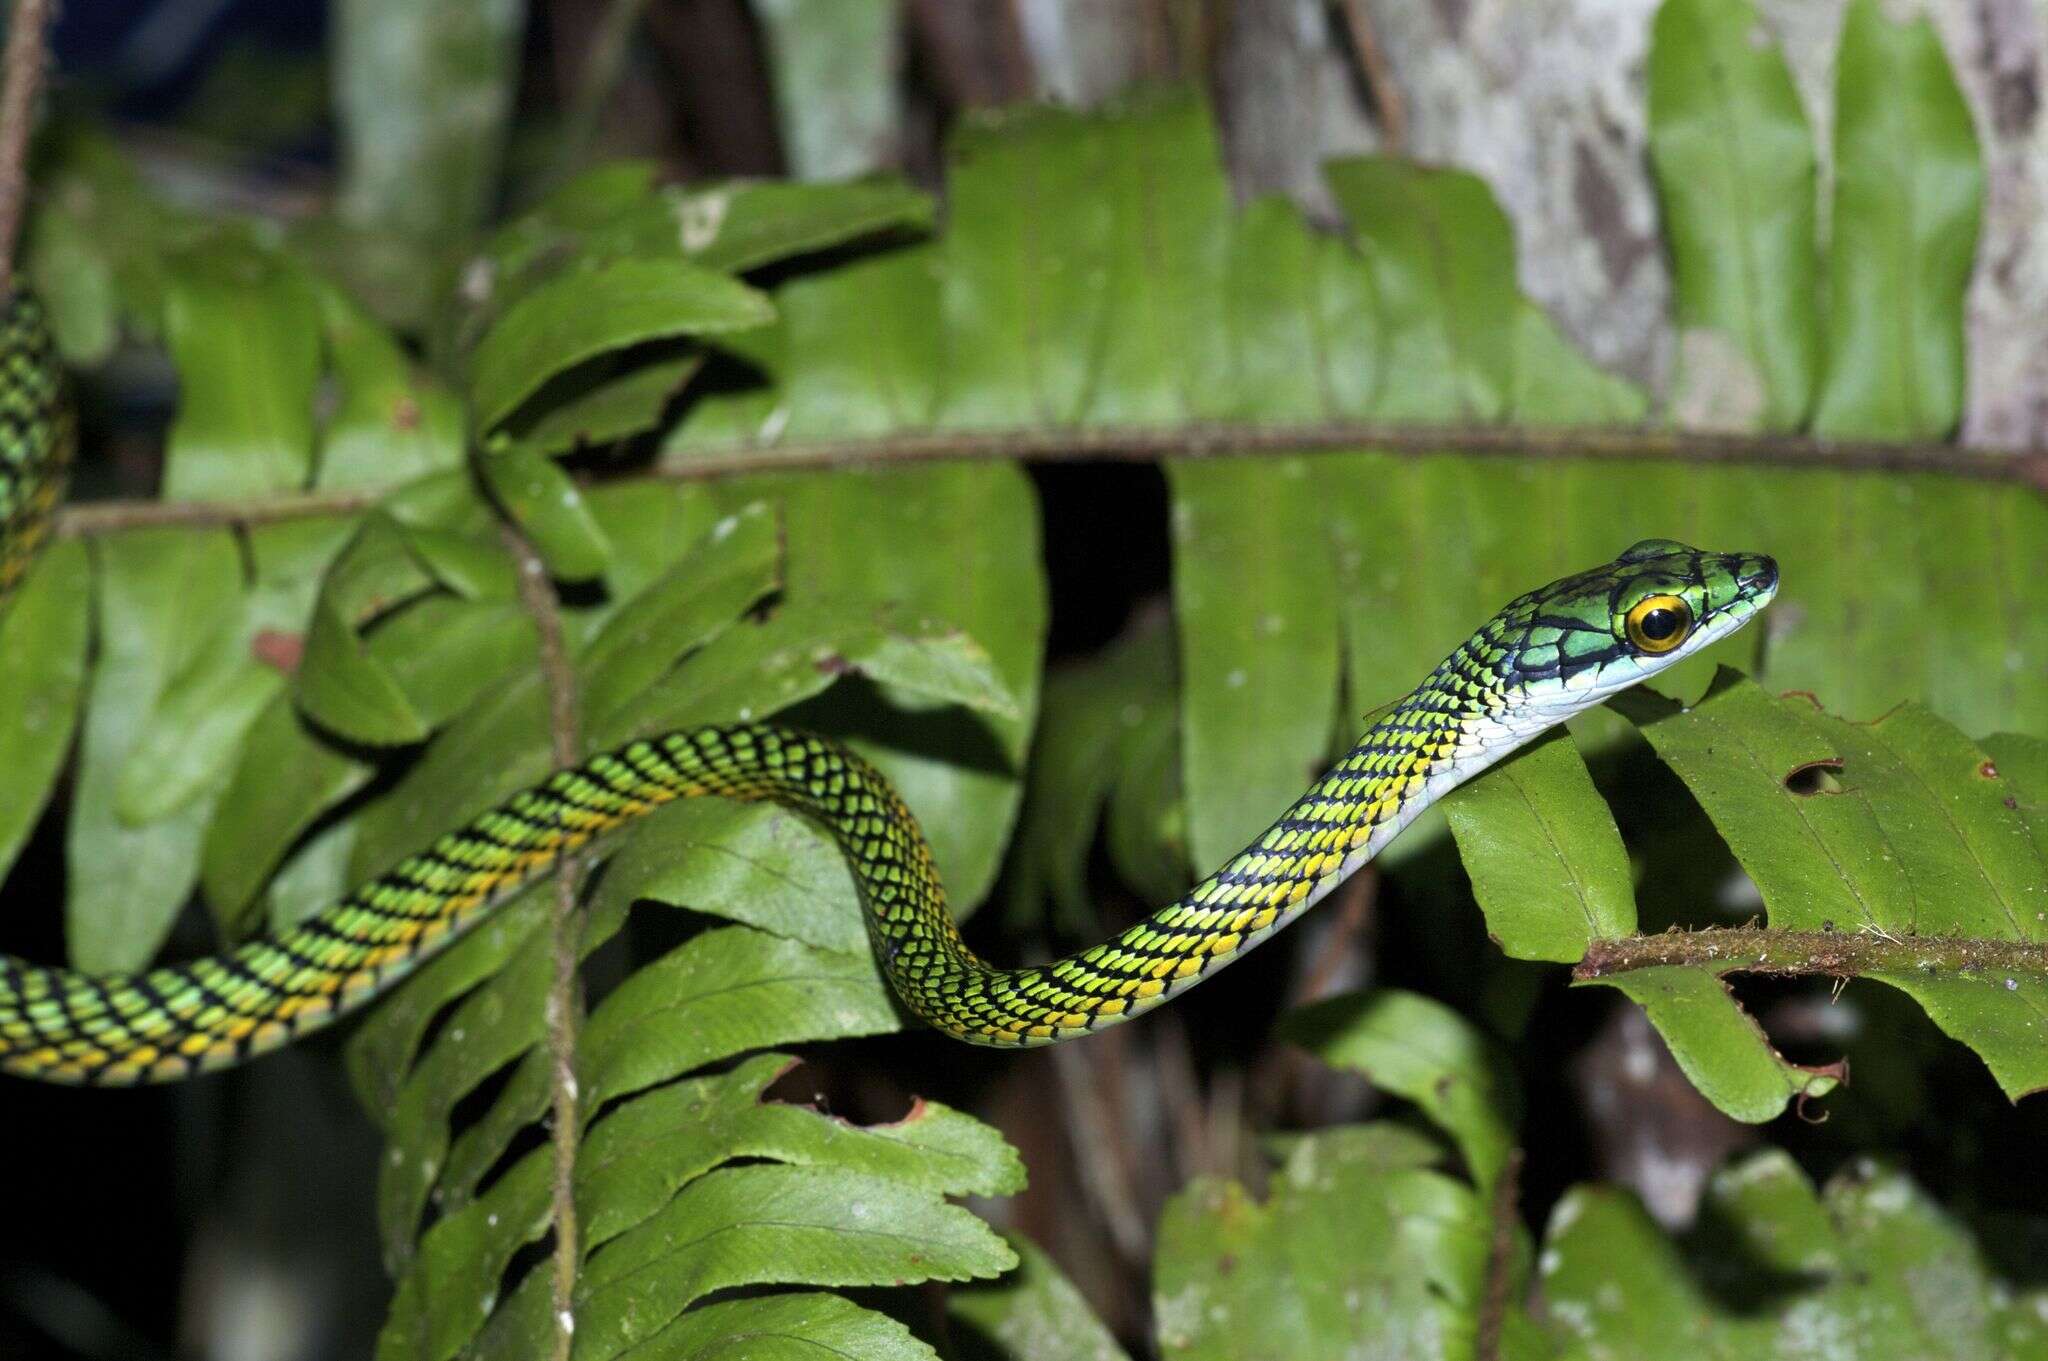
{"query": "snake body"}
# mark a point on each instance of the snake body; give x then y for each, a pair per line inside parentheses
(37, 432)
(1548, 655)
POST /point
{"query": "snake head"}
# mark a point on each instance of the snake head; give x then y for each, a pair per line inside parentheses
(1586, 636)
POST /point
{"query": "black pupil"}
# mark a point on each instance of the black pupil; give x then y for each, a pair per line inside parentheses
(1658, 625)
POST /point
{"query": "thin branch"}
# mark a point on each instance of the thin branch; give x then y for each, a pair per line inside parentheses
(1144, 444)
(1389, 109)
(27, 53)
(537, 594)
(91, 518)
(1833, 954)
(1500, 1258)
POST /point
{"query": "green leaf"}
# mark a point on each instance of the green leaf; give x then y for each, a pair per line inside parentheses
(793, 655)
(495, 747)
(793, 1327)
(2022, 761)
(1302, 319)
(727, 572)
(381, 1051)
(549, 509)
(464, 563)
(1868, 1268)
(1555, 385)
(244, 333)
(1095, 714)
(1909, 191)
(950, 558)
(98, 242)
(856, 352)
(1256, 605)
(932, 546)
(1546, 859)
(612, 408)
(580, 315)
(743, 1225)
(1032, 1314)
(639, 1155)
(1720, 1047)
(447, 1291)
(741, 227)
(1424, 1051)
(1919, 841)
(617, 211)
(286, 777)
(934, 659)
(311, 881)
(165, 597)
(75, 280)
(723, 992)
(650, 526)
(378, 569)
(209, 702)
(498, 1022)
(1441, 255)
(566, 219)
(196, 731)
(1147, 819)
(1024, 285)
(442, 653)
(1735, 168)
(342, 687)
(849, 1002)
(1353, 1253)
(499, 742)
(394, 422)
(207, 709)
(43, 638)
(757, 864)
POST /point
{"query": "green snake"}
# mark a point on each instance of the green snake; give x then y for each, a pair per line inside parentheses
(1546, 656)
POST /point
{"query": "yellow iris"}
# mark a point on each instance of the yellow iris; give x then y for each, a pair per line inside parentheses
(1659, 623)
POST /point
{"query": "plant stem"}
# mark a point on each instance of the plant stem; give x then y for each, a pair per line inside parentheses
(1143, 444)
(537, 594)
(1835, 954)
(27, 52)
(111, 517)
(1390, 110)
(1500, 1258)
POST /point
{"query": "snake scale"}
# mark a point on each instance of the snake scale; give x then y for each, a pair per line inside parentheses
(1546, 656)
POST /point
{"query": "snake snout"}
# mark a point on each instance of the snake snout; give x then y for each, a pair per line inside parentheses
(1759, 573)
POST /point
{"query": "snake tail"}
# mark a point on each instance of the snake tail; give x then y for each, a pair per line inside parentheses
(1546, 656)
(38, 432)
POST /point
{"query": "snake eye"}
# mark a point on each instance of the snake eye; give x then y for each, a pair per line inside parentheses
(1659, 623)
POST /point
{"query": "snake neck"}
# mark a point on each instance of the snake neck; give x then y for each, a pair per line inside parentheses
(1455, 724)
